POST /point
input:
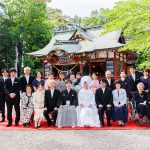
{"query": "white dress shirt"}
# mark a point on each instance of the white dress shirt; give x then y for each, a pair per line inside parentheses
(27, 79)
(133, 76)
(52, 93)
(12, 80)
(103, 89)
(109, 81)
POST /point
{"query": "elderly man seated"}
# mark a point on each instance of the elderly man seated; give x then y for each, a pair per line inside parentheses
(50, 103)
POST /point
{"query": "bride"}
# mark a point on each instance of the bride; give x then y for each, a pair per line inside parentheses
(87, 110)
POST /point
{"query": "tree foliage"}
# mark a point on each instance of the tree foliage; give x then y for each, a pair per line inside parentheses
(25, 26)
(133, 17)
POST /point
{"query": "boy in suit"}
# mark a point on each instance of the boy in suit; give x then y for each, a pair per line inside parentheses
(12, 87)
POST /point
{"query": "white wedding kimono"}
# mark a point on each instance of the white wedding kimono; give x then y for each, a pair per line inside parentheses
(87, 115)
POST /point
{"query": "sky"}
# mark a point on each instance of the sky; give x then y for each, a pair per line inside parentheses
(81, 7)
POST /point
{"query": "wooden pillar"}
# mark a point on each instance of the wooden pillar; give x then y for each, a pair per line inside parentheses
(43, 69)
(115, 65)
(81, 67)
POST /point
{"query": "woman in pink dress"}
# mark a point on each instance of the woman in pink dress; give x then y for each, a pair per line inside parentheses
(95, 82)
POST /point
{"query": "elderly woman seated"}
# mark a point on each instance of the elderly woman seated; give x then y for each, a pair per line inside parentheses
(141, 102)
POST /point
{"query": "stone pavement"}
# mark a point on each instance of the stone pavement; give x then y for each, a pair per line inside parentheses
(75, 140)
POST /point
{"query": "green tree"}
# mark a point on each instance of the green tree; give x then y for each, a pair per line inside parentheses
(29, 28)
(133, 17)
(96, 18)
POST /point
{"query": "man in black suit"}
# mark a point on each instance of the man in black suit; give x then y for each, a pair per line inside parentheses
(110, 80)
(133, 78)
(52, 96)
(104, 102)
(2, 92)
(27, 79)
(12, 87)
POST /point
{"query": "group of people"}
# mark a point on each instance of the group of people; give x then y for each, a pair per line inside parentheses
(73, 100)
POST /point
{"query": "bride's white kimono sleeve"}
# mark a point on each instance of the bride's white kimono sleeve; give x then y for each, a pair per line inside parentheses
(87, 115)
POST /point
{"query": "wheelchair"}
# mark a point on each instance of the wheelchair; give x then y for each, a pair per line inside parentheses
(139, 118)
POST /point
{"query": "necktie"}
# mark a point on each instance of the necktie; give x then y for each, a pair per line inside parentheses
(118, 98)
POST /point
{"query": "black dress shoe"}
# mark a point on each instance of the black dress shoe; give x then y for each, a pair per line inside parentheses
(9, 124)
(49, 124)
(109, 124)
(16, 124)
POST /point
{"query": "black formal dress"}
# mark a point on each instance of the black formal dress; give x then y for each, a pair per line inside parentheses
(24, 82)
(140, 98)
(104, 98)
(50, 102)
(111, 84)
(13, 88)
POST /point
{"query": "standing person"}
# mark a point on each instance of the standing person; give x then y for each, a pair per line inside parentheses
(120, 104)
(51, 99)
(145, 79)
(38, 81)
(47, 82)
(133, 79)
(68, 101)
(109, 79)
(73, 78)
(38, 102)
(95, 82)
(61, 82)
(27, 79)
(87, 111)
(26, 99)
(3, 93)
(104, 102)
(77, 84)
(124, 82)
(12, 87)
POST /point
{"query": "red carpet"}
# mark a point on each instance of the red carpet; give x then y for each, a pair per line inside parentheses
(130, 126)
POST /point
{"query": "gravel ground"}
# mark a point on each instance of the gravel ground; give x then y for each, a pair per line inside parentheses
(75, 140)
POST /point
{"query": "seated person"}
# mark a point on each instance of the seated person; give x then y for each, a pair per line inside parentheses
(38, 102)
(67, 115)
(26, 99)
(104, 102)
(140, 99)
(120, 112)
(87, 111)
(50, 102)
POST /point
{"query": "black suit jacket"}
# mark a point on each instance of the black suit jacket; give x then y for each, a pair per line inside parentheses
(132, 83)
(111, 86)
(23, 83)
(137, 98)
(15, 88)
(49, 102)
(71, 96)
(103, 98)
(2, 94)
